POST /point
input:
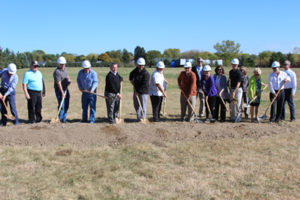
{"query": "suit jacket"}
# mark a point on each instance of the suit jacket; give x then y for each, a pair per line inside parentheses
(223, 85)
(199, 85)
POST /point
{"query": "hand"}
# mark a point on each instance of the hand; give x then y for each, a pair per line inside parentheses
(292, 96)
(119, 96)
(136, 93)
(1, 96)
(166, 81)
(165, 94)
(63, 95)
(91, 91)
(233, 94)
(43, 94)
(27, 96)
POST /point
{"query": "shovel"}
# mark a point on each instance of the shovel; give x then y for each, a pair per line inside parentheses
(8, 116)
(164, 107)
(193, 110)
(55, 120)
(264, 116)
(144, 120)
(248, 105)
(99, 95)
(221, 92)
(119, 120)
(211, 119)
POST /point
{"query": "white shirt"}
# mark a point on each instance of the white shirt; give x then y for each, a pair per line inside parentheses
(275, 82)
(156, 78)
(293, 83)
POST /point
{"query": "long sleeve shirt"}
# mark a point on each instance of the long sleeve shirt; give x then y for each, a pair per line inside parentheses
(87, 80)
(188, 83)
(293, 83)
(276, 81)
(209, 86)
(113, 82)
(140, 80)
(8, 82)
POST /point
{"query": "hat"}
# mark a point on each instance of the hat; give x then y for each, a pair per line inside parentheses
(275, 64)
(34, 63)
(188, 65)
(199, 60)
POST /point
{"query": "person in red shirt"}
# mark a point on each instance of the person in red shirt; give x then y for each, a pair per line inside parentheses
(187, 84)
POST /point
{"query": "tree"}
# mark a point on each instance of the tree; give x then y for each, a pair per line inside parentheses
(153, 56)
(104, 57)
(277, 56)
(125, 56)
(291, 58)
(139, 52)
(247, 60)
(38, 55)
(264, 58)
(227, 50)
(92, 57)
(69, 57)
(172, 53)
(80, 58)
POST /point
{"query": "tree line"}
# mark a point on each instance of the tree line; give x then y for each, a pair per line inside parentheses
(225, 50)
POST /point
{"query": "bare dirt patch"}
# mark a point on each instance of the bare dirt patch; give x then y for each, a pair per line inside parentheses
(79, 134)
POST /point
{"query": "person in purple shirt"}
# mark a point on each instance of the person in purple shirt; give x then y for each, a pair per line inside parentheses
(9, 80)
(210, 90)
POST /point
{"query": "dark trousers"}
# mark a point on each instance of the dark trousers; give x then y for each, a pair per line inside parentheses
(212, 104)
(290, 101)
(34, 105)
(219, 104)
(278, 104)
(156, 102)
(12, 104)
(245, 100)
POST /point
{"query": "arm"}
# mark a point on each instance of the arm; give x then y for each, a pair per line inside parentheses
(44, 89)
(25, 91)
(294, 84)
(271, 85)
(79, 82)
(95, 82)
(12, 86)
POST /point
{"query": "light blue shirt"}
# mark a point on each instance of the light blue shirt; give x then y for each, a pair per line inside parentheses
(8, 82)
(33, 80)
(87, 81)
(199, 71)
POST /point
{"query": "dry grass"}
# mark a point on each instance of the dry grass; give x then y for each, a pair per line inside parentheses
(267, 168)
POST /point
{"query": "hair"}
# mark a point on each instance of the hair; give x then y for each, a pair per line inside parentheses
(244, 68)
(114, 63)
(258, 70)
(287, 61)
(220, 66)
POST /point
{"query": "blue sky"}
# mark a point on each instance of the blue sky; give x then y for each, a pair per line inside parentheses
(91, 26)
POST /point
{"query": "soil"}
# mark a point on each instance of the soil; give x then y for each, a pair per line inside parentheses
(160, 134)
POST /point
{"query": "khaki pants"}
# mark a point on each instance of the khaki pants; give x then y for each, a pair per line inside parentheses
(184, 104)
(201, 96)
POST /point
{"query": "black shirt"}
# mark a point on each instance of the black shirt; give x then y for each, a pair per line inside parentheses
(140, 80)
(113, 83)
(235, 77)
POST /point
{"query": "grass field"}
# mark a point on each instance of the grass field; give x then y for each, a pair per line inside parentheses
(248, 167)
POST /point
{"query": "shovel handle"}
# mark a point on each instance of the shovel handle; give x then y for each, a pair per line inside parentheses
(138, 99)
(188, 102)
(274, 98)
(7, 115)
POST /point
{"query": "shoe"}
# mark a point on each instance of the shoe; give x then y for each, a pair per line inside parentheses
(279, 123)
(292, 120)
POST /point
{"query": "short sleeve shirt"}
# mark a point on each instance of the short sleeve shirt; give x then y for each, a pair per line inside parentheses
(33, 80)
(156, 78)
(62, 76)
(235, 77)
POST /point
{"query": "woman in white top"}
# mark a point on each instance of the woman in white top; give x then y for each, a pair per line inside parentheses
(156, 90)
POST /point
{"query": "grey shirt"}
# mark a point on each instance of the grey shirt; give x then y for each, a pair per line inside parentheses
(245, 83)
(62, 76)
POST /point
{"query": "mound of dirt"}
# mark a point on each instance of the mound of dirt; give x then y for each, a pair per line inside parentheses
(131, 133)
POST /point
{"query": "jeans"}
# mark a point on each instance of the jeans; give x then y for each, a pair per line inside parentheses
(65, 105)
(236, 109)
(112, 106)
(278, 104)
(143, 99)
(184, 104)
(156, 102)
(290, 101)
(12, 104)
(87, 100)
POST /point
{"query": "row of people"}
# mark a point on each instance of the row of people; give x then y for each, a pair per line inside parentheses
(194, 82)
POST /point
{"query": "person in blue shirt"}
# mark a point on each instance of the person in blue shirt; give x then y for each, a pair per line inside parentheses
(9, 80)
(87, 82)
(34, 89)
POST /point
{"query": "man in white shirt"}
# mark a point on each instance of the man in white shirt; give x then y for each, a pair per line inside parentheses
(156, 90)
(277, 79)
(289, 91)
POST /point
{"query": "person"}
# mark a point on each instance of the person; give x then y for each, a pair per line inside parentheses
(156, 90)
(277, 80)
(61, 83)
(245, 88)
(289, 91)
(113, 83)
(198, 70)
(34, 90)
(139, 78)
(210, 91)
(221, 86)
(87, 82)
(9, 80)
(254, 92)
(187, 84)
(236, 91)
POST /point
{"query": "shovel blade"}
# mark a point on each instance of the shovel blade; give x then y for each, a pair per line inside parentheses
(119, 120)
(261, 118)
